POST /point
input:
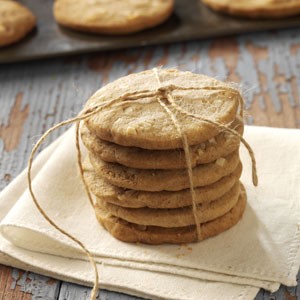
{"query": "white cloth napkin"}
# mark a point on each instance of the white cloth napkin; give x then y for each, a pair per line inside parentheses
(262, 250)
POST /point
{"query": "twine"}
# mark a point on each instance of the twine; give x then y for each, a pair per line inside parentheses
(128, 98)
(187, 155)
(45, 215)
(79, 162)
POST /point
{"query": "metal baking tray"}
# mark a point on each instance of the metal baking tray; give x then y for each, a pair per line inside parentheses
(191, 20)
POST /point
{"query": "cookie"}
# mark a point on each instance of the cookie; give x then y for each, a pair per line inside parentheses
(163, 199)
(256, 9)
(129, 232)
(164, 180)
(16, 21)
(140, 121)
(112, 17)
(176, 217)
(221, 145)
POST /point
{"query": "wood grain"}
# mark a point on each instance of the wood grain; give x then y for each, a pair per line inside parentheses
(36, 95)
(8, 289)
(12, 132)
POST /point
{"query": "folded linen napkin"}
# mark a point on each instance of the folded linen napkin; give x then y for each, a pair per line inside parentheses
(262, 250)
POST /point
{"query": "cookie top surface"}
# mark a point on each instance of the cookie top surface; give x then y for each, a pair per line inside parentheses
(256, 8)
(112, 17)
(141, 121)
(15, 22)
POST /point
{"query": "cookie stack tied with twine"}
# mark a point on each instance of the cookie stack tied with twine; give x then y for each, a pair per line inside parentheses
(163, 157)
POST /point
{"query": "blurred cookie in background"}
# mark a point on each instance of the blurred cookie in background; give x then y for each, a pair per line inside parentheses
(255, 8)
(16, 21)
(112, 17)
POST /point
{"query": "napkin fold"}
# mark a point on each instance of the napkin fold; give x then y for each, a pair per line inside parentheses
(262, 250)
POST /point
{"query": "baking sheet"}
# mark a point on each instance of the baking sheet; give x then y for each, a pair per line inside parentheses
(191, 20)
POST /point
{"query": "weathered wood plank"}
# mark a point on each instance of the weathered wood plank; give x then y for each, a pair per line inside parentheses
(35, 286)
(20, 285)
(12, 133)
(36, 95)
(71, 291)
(8, 289)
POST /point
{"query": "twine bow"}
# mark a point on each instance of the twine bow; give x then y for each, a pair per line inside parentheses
(164, 92)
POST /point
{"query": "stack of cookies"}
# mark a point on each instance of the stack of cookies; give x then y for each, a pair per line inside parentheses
(136, 165)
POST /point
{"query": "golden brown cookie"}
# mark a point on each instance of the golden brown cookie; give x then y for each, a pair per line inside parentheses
(164, 180)
(112, 16)
(176, 217)
(16, 21)
(163, 199)
(140, 121)
(221, 145)
(129, 232)
(255, 8)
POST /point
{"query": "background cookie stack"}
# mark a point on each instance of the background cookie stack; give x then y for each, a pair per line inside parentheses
(136, 165)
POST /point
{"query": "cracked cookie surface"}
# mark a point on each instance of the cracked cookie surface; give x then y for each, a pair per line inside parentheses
(140, 121)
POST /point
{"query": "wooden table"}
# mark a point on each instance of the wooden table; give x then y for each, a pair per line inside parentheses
(36, 95)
